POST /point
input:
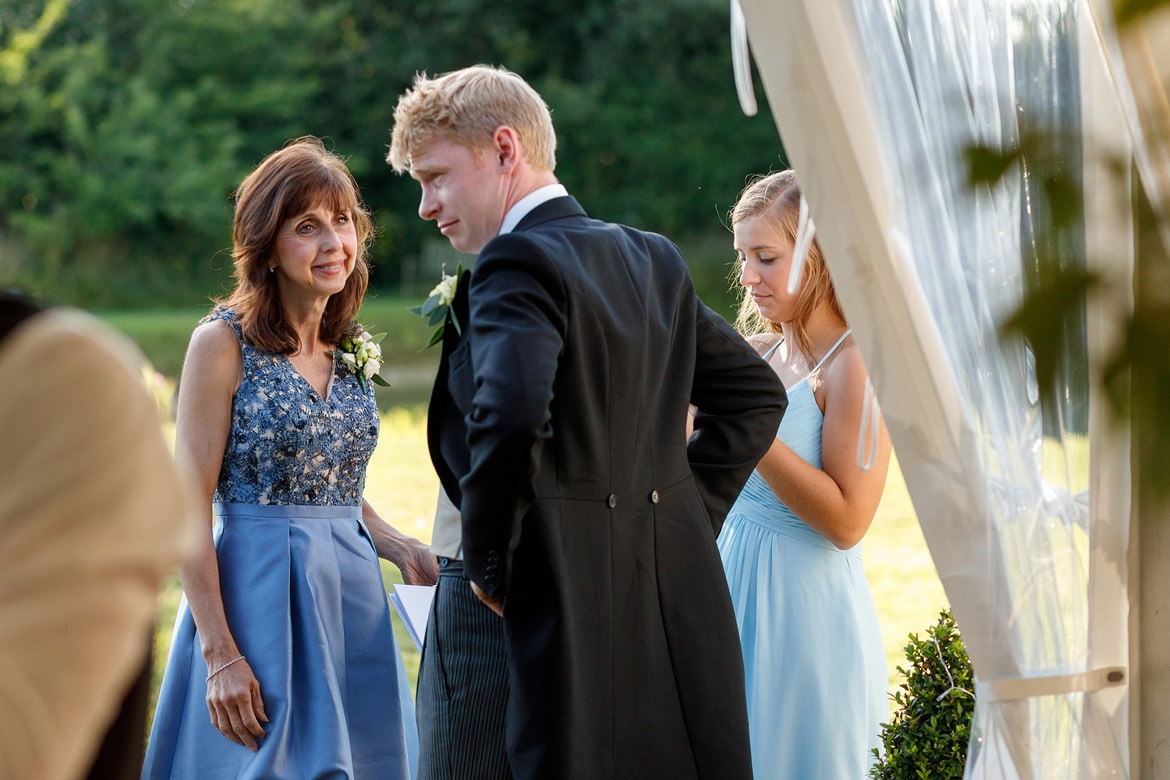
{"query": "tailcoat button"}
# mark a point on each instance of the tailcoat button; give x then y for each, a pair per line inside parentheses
(653, 496)
(612, 501)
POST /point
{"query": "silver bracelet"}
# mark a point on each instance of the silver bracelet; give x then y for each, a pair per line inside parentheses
(220, 669)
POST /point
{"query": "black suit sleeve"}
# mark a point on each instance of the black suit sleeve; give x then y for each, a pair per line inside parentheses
(517, 327)
(739, 401)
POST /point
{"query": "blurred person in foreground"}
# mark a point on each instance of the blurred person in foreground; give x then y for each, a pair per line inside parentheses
(584, 517)
(93, 515)
(284, 661)
(791, 546)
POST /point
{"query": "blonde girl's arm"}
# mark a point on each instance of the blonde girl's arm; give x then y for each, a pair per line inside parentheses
(840, 499)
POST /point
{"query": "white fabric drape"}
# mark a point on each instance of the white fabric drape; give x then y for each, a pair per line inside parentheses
(876, 101)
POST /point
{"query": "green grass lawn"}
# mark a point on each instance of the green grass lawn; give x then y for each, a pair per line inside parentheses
(905, 585)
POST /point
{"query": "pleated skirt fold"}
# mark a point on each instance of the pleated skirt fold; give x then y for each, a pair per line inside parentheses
(304, 598)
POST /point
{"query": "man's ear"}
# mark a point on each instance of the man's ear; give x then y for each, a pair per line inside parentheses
(507, 149)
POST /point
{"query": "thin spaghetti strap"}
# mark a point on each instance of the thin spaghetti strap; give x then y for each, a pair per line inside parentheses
(773, 348)
(832, 349)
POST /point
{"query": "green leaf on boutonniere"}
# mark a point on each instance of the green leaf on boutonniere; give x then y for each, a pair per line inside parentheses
(437, 308)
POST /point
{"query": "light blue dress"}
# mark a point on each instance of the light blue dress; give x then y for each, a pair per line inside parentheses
(812, 648)
(303, 592)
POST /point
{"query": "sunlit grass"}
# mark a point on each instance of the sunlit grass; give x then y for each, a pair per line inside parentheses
(400, 482)
(905, 585)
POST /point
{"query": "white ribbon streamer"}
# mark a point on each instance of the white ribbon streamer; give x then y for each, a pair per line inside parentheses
(870, 412)
(806, 230)
(741, 61)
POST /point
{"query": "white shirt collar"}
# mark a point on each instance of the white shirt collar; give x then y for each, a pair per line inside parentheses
(528, 203)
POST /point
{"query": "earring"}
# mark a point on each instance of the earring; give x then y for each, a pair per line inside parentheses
(271, 269)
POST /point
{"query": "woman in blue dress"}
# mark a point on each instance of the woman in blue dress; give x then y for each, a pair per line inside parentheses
(791, 544)
(283, 662)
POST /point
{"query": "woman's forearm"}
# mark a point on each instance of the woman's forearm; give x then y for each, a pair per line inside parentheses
(200, 576)
(813, 496)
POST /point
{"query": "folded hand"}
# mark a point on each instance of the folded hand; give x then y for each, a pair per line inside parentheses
(494, 604)
(419, 566)
(237, 711)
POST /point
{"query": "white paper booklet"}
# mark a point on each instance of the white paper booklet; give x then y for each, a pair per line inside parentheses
(413, 604)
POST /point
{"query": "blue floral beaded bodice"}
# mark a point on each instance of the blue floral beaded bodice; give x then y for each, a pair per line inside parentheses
(287, 444)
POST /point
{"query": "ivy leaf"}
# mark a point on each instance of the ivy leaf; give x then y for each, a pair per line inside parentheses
(986, 165)
(1130, 11)
(1052, 301)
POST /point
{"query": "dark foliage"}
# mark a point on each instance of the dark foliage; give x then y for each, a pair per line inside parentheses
(126, 124)
(928, 734)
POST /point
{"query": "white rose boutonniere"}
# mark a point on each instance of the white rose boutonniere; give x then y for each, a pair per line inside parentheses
(438, 305)
(362, 355)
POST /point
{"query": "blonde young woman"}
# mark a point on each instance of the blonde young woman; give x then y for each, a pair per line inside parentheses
(812, 647)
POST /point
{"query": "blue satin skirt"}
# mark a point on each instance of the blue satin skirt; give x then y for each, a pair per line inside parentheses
(305, 601)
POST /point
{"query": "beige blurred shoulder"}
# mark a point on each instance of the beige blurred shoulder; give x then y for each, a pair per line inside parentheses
(93, 515)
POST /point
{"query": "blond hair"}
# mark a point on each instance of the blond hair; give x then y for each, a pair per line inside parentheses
(467, 106)
(301, 176)
(778, 196)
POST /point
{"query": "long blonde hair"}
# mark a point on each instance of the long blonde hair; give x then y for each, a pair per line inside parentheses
(298, 177)
(778, 196)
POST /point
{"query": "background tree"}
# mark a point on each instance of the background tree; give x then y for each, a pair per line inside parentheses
(125, 124)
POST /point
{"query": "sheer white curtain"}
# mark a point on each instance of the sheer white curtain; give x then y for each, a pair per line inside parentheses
(877, 101)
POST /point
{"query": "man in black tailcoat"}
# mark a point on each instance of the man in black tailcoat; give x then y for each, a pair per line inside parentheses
(558, 428)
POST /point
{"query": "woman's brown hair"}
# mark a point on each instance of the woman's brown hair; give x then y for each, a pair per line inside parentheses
(301, 176)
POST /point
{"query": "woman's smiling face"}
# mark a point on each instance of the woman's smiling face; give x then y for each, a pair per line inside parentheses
(316, 250)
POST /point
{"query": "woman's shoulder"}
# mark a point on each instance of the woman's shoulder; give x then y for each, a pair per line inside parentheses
(214, 357)
(221, 313)
(219, 320)
(214, 338)
(762, 342)
(846, 369)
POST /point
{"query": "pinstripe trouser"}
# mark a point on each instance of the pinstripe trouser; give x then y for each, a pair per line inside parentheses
(462, 686)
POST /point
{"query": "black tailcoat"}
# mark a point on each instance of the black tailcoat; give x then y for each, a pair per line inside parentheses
(557, 425)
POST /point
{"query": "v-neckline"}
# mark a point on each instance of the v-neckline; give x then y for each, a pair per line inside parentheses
(328, 385)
